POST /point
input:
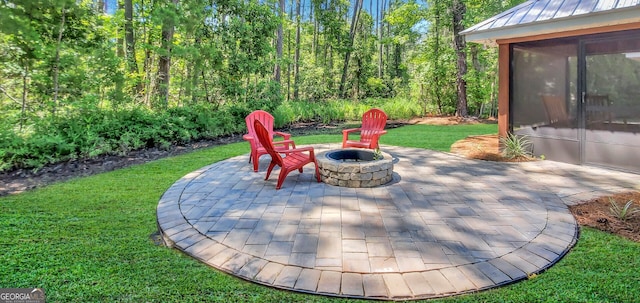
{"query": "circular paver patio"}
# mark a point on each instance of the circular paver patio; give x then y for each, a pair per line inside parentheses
(445, 225)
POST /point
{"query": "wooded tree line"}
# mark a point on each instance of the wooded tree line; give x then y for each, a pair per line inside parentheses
(68, 55)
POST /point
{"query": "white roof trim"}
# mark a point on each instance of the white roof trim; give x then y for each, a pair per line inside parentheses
(583, 21)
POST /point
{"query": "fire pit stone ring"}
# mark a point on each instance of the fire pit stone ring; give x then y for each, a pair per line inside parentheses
(356, 168)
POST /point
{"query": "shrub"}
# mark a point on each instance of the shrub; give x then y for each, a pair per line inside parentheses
(376, 87)
(516, 146)
(93, 132)
(401, 108)
(284, 114)
(623, 212)
(90, 131)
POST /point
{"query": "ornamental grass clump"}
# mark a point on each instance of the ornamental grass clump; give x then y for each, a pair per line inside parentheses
(623, 212)
(515, 146)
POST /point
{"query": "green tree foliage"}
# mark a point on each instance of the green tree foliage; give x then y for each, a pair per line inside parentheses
(434, 76)
(401, 20)
(65, 59)
(482, 78)
(48, 47)
(223, 52)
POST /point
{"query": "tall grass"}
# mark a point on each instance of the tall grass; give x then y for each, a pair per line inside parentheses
(343, 110)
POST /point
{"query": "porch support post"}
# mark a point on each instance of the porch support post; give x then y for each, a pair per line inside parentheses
(503, 89)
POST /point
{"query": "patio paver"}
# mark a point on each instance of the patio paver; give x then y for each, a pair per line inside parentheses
(445, 225)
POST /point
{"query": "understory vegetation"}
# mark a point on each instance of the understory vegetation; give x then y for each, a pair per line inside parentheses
(93, 132)
(93, 77)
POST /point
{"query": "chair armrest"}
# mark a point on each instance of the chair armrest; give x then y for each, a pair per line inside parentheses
(286, 136)
(351, 130)
(297, 150)
(283, 142)
(376, 137)
(253, 141)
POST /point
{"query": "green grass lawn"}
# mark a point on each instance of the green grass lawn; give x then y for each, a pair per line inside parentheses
(88, 240)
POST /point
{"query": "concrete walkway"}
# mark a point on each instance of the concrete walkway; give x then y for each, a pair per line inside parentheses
(445, 225)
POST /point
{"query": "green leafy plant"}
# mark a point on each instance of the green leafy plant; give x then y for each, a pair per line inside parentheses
(623, 212)
(516, 146)
(377, 154)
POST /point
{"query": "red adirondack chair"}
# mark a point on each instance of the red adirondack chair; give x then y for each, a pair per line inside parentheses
(257, 149)
(373, 123)
(294, 158)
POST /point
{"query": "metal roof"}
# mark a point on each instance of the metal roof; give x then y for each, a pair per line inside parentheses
(536, 17)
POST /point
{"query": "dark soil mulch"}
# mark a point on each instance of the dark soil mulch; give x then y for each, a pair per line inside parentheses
(597, 213)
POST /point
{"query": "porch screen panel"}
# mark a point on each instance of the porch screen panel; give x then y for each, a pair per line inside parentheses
(612, 102)
(544, 90)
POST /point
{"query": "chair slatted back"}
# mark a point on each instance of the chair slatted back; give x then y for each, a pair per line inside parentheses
(372, 121)
(265, 118)
(265, 138)
(598, 108)
(556, 108)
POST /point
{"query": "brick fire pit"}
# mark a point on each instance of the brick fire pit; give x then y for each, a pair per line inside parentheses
(355, 167)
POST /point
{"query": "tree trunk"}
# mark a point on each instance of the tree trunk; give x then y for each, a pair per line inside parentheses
(56, 68)
(436, 61)
(164, 61)
(276, 72)
(296, 64)
(100, 7)
(315, 34)
(289, 55)
(146, 82)
(130, 43)
(25, 89)
(380, 31)
(120, 52)
(475, 60)
(358, 76)
(459, 9)
(386, 46)
(352, 34)
(397, 59)
(197, 68)
(205, 86)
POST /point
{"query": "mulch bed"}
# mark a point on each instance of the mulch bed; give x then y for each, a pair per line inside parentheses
(597, 213)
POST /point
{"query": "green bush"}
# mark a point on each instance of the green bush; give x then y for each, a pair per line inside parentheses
(95, 132)
(9, 140)
(376, 87)
(284, 114)
(43, 149)
(90, 131)
(401, 108)
(623, 212)
(516, 146)
(315, 85)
